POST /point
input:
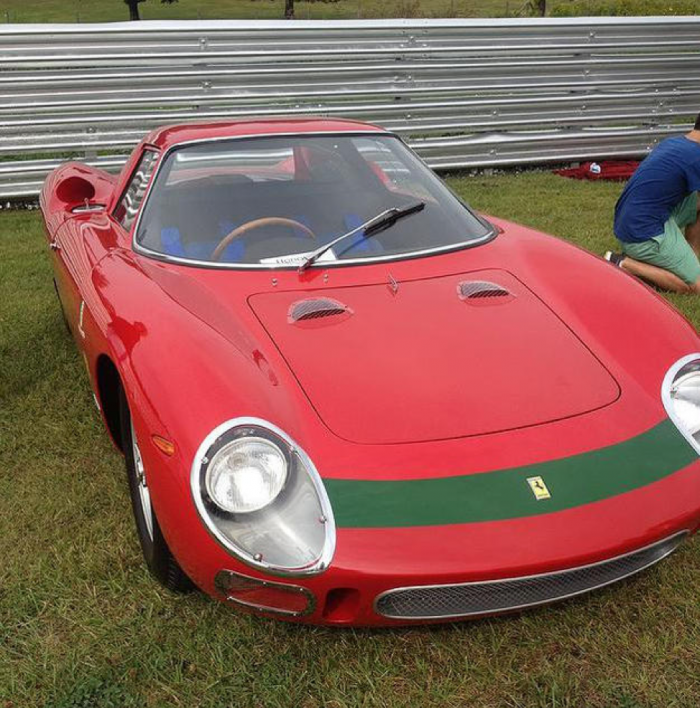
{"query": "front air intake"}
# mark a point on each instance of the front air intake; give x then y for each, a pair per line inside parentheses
(504, 595)
(317, 309)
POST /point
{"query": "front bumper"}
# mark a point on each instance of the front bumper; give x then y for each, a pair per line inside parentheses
(437, 574)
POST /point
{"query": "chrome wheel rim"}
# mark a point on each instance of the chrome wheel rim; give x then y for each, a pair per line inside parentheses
(141, 484)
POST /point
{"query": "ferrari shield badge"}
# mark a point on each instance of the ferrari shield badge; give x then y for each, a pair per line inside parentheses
(539, 488)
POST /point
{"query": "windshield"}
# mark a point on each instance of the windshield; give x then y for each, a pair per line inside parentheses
(273, 201)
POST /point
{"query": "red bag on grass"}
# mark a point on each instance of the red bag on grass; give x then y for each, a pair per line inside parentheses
(616, 170)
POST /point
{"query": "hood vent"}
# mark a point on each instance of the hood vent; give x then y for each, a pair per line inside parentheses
(483, 292)
(318, 311)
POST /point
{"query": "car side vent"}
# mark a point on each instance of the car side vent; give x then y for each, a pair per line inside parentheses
(318, 310)
(483, 292)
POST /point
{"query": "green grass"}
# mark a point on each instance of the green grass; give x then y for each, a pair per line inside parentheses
(82, 625)
(116, 10)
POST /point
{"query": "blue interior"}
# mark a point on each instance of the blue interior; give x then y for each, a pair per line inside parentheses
(174, 245)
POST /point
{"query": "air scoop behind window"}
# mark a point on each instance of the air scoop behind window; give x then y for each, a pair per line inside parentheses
(317, 312)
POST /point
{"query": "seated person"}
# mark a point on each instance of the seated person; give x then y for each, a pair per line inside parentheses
(656, 216)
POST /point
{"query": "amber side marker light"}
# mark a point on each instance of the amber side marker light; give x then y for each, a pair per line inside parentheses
(165, 446)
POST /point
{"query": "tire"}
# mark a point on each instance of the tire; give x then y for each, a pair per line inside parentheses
(160, 561)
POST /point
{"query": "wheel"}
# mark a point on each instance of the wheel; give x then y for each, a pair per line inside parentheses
(160, 561)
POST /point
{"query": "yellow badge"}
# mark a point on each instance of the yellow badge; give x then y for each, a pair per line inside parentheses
(539, 488)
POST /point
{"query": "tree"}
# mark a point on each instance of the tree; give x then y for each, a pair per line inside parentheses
(288, 9)
(134, 7)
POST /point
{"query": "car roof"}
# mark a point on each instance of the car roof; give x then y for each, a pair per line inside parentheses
(167, 136)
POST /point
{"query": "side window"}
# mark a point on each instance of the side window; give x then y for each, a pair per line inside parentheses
(131, 200)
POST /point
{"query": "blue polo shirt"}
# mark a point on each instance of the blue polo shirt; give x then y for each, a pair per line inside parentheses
(663, 180)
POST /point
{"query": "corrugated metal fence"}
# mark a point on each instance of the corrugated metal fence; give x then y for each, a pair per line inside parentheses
(464, 93)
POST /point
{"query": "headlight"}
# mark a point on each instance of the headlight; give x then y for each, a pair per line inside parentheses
(245, 475)
(681, 397)
(260, 496)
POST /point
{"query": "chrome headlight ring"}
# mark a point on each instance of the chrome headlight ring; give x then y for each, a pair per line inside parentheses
(680, 394)
(260, 496)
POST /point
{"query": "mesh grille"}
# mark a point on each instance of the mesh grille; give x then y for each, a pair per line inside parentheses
(481, 289)
(316, 308)
(501, 595)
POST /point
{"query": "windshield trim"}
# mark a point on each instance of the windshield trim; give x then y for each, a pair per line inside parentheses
(491, 230)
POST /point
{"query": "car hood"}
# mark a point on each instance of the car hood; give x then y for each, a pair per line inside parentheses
(436, 358)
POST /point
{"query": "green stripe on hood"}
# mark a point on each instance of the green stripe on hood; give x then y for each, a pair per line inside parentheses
(506, 494)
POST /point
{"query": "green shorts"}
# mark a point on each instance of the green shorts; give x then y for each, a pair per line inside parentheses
(670, 250)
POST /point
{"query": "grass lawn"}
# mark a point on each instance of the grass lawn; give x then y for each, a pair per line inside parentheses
(82, 625)
(116, 10)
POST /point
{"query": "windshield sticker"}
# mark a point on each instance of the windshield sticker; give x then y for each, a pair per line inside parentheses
(296, 259)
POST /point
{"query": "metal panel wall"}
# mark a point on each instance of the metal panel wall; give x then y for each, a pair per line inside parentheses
(464, 93)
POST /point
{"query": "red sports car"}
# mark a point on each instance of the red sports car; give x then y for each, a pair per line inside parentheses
(344, 397)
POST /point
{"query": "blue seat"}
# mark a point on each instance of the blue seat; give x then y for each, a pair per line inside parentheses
(172, 244)
(358, 242)
(171, 240)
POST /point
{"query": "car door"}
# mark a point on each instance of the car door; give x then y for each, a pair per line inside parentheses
(80, 244)
(87, 237)
(62, 278)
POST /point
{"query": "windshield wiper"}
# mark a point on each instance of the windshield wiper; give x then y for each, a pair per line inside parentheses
(374, 225)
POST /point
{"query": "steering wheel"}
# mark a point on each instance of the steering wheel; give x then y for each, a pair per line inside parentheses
(256, 224)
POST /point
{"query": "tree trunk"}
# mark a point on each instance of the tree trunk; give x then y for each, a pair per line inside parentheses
(133, 9)
(542, 7)
(288, 9)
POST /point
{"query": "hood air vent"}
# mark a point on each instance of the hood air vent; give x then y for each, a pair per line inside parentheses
(318, 311)
(483, 292)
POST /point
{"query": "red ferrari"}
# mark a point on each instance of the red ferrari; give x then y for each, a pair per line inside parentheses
(344, 397)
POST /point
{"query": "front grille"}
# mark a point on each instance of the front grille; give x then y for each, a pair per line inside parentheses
(491, 596)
